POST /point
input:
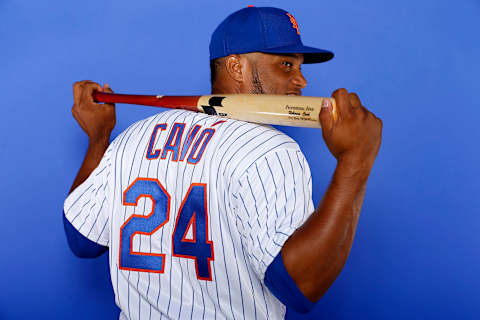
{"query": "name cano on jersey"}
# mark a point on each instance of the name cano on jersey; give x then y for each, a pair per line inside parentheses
(174, 144)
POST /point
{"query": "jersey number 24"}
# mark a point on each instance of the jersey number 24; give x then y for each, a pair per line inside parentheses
(191, 215)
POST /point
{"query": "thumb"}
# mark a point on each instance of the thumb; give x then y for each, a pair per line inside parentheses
(326, 115)
(106, 88)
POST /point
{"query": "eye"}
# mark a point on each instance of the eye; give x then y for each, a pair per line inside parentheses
(287, 66)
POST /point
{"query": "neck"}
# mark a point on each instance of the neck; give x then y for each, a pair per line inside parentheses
(220, 87)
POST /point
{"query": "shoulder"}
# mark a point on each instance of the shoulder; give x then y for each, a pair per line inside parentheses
(243, 144)
(137, 130)
(255, 138)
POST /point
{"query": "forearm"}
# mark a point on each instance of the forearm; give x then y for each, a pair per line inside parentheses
(316, 253)
(96, 150)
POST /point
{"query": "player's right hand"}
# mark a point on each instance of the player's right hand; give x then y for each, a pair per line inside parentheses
(355, 135)
(97, 120)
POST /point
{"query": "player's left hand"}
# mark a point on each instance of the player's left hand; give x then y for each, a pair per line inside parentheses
(97, 120)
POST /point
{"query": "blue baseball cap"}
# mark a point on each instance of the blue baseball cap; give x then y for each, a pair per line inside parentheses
(262, 29)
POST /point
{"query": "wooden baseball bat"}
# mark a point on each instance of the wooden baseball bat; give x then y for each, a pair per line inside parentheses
(297, 111)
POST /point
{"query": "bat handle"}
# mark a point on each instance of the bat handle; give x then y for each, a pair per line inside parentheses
(106, 97)
(97, 96)
(173, 102)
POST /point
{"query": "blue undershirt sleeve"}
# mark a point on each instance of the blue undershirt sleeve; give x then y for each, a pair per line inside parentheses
(81, 246)
(281, 284)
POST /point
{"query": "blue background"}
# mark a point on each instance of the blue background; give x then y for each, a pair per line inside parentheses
(414, 63)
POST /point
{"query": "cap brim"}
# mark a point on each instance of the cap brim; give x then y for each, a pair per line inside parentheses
(310, 54)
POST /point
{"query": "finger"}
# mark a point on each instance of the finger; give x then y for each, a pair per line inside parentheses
(355, 100)
(357, 106)
(342, 100)
(326, 116)
(77, 92)
(339, 91)
(75, 113)
(80, 92)
(106, 88)
(380, 122)
(78, 84)
(88, 91)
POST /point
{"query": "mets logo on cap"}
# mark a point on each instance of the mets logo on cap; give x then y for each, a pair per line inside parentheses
(294, 22)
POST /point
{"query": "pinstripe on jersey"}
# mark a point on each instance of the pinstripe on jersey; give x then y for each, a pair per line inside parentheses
(258, 192)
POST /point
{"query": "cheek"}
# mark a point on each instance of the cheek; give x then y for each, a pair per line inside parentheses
(272, 85)
(274, 81)
(281, 82)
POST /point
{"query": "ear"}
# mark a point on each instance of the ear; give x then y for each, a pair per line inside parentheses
(235, 66)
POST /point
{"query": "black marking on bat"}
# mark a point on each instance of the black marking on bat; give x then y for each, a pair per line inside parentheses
(213, 102)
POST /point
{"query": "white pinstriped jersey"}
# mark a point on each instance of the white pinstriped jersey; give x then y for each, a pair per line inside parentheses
(194, 208)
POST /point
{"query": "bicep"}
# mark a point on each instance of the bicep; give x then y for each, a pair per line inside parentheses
(87, 208)
(273, 200)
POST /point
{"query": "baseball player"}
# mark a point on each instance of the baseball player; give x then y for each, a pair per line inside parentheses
(208, 218)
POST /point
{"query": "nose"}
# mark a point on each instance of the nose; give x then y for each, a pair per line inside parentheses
(299, 80)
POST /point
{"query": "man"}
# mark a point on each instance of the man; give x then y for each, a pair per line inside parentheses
(213, 218)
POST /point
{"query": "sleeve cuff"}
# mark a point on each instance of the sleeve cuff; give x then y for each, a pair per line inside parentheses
(80, 245)
(281, 284)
